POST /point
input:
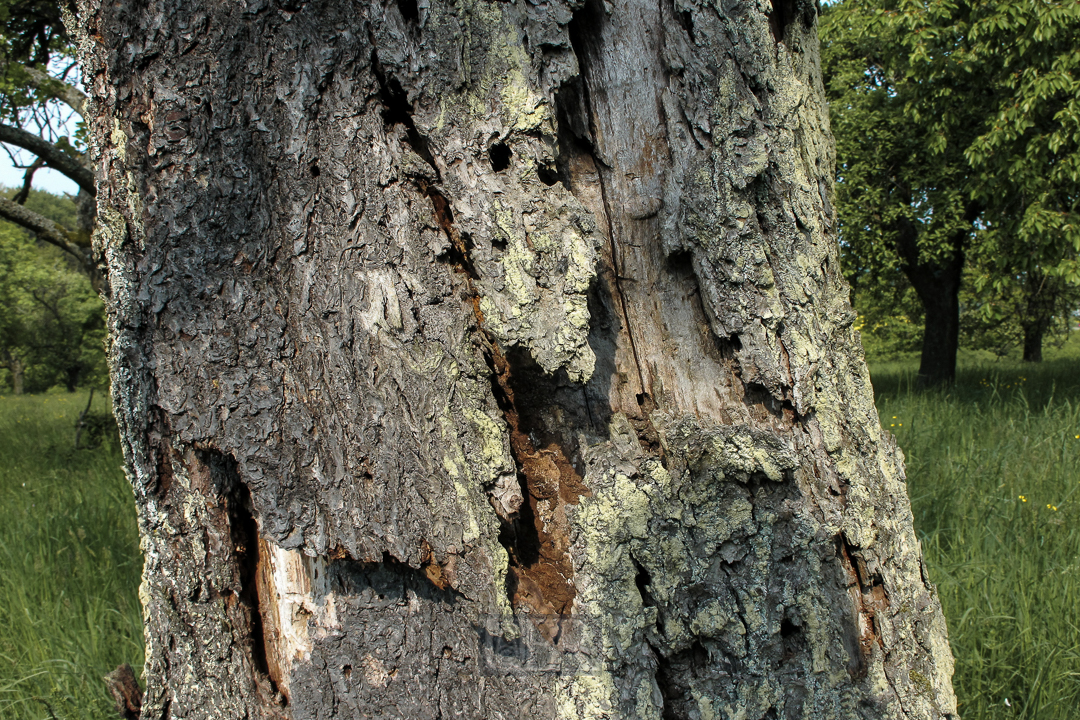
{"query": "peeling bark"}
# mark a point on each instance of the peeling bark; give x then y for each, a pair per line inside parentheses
(492, 360)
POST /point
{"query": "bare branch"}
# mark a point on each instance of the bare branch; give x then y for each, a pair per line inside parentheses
(56, 88)
(28, 178)
(53, 155)
(48, 231)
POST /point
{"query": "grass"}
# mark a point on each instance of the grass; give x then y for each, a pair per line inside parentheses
(993, 472)
(994, 477)
(69, 563)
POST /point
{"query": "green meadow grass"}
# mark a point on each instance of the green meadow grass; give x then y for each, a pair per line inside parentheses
(993, 472)
(994, 476)
(69, 563)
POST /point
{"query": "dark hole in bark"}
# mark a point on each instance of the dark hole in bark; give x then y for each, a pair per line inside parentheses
(498, 243)
(585, 26)
(780, 18)
(681, 266)
(647, 434)
(390, 578)
(541, 573)
(548, 176)
(409, 10)
(315, 172)
(346, 670)
(575, 133)
(165, 472)
(759, 396)
(643, 579)
(500, 153)
(520, 536)
(398, 110)
(788, 628)
(244, 533)
(673, 676)
(686, 20)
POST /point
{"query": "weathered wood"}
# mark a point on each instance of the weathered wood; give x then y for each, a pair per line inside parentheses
(491, 360)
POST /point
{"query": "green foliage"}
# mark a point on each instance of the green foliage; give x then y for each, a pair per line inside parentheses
(890, 317)
(1025, 160)
(959, 123)
(892, 179)
(52, 326)
(993, 470)
(69, 563)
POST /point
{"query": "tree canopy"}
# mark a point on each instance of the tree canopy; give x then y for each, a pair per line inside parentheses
(957, 136)
(41, 107)
(52, 328)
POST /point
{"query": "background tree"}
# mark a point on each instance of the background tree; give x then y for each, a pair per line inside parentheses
(492, 360)
(903, 195)
(1027, 156)
(40, 106)
(956, 138)
(52, 319)
(52, 326)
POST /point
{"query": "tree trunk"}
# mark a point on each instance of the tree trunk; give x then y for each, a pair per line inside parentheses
(1033, 341)
(492, 360)
(18, 373)
(1042, 294)
(71, 377)
(937, 282)
(939, 290)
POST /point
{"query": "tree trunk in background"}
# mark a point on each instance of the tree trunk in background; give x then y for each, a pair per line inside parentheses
(18, 373)
(1042, 294)
(492, 360)
(939, 290)
(1033, 341)
(937, 283)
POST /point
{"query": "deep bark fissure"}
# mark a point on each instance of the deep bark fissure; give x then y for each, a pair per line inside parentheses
(869, 597)
(538, 539)
(582, 28)
(780, 17)
(249, 552)
(398, 110)
(540, 576)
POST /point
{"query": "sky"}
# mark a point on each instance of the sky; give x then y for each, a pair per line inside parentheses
(44, 179)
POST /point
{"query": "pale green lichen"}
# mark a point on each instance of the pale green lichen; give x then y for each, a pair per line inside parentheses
(589, 695)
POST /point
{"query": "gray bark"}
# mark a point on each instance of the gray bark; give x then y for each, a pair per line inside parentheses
(491, 360)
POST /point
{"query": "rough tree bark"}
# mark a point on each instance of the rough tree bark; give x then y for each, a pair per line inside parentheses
(492, 360)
